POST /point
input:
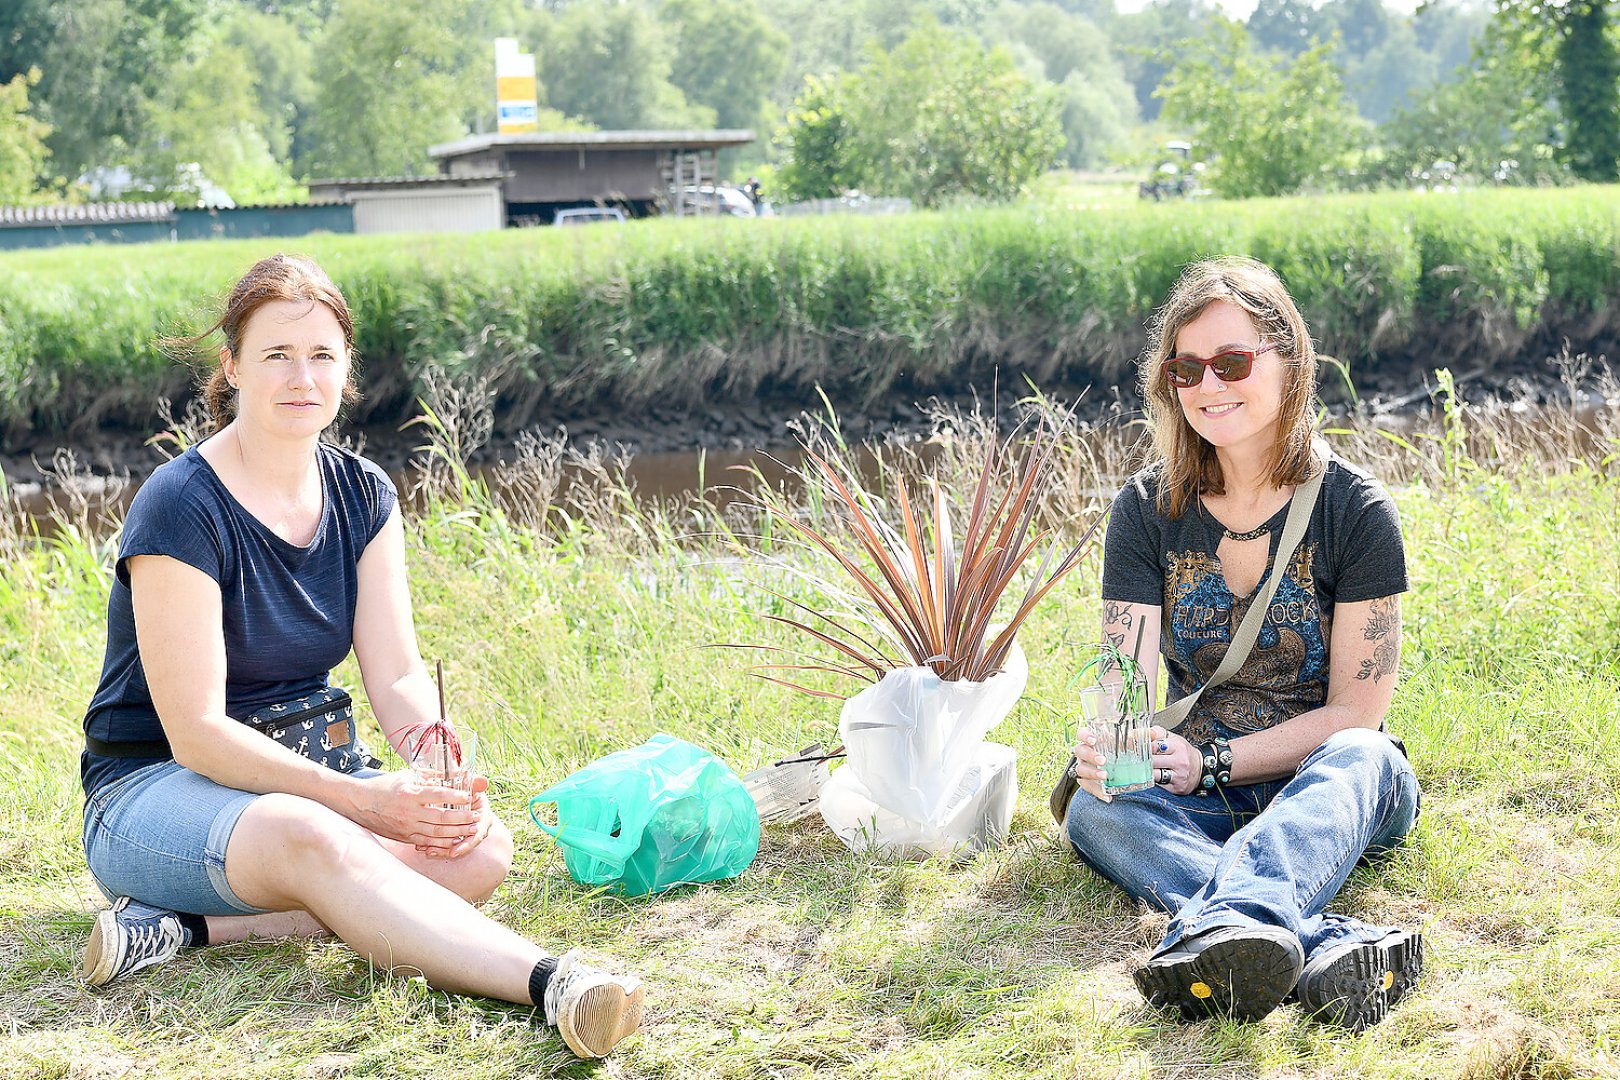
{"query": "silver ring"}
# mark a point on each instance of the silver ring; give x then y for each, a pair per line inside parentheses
(1164, 776)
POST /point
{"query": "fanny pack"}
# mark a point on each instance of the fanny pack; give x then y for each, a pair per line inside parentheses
(319, 726)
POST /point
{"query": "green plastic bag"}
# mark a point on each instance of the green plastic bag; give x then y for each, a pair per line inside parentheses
(661, 814)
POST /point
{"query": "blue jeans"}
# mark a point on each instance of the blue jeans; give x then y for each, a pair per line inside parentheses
(1273, 853)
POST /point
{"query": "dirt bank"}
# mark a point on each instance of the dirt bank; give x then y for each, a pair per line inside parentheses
(1534, 380)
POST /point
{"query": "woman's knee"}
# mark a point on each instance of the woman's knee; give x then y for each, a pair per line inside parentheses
(287, 843)
(485, 867)
(1367, 755)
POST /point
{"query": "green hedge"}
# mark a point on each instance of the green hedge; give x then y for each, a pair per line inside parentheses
(683, 312)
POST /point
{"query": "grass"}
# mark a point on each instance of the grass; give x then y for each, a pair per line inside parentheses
(817, 961)
(682, 314)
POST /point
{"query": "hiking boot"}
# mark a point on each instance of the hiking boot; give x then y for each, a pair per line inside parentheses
(592, 1010)
(129, 936)
(1355, 984)
(1238, 971)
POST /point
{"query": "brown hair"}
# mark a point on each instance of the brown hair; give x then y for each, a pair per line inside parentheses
(278, 277)
(1188, 464)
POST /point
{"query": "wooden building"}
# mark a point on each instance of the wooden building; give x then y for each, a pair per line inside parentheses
(641, 172)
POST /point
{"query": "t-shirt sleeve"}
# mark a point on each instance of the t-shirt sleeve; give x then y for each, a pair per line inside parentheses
(1132, 571)
(380, 496)
(171, 516)
(1372, 555)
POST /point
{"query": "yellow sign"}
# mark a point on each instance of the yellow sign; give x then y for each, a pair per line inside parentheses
(516, 97)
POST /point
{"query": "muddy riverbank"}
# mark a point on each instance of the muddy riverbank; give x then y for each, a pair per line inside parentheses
(670, 437)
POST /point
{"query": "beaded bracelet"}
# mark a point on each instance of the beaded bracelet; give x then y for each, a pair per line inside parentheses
(1216, 763)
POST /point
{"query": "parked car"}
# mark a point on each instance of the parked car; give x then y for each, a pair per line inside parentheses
(588, 215)
(723, 200)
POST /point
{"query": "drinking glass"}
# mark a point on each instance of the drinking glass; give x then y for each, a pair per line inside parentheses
(1122, 733)
(435, 762)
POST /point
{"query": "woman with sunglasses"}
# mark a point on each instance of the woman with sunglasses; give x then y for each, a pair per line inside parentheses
(1281, 778)
(248, 568)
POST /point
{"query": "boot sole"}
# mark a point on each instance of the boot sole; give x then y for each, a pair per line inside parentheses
(600, 1018)
(1244, 977)
(1357, 989)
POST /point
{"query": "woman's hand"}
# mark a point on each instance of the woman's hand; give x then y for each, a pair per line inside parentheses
(440, 821)
(1174, 763)
(480, 828)
(1088, 766)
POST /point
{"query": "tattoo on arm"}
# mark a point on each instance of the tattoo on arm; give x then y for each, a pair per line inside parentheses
(1384, 628)
(1115, 614)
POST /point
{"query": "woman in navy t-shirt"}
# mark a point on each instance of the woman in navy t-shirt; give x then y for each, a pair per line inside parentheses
(1281, 778)
(248, 568)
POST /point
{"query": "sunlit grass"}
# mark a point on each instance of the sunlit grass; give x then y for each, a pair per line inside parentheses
(818, 961)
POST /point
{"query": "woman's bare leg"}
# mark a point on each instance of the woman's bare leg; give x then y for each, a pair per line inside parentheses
(290, 854)
(473, 877)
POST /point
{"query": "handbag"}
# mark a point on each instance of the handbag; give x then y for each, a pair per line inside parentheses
(1248, 631)
(319, 726)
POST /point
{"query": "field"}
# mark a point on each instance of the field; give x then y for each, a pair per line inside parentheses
(566, 643)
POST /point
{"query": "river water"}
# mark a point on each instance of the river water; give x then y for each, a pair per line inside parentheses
(97, 503)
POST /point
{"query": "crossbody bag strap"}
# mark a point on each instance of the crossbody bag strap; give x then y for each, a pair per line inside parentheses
(1248, 631)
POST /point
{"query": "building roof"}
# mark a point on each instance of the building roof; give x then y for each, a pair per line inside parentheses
(105, 213)
(597, 140)
(370, 183)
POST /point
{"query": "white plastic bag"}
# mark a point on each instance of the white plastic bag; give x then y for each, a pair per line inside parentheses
(919, 778)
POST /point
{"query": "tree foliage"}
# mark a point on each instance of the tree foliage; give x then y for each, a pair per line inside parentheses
(1269, 126)
(386, 87)
(1572, 42)
(23, 153)
(724, 58)
(938, 117)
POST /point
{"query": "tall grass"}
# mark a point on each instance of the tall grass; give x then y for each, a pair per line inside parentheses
(689, 312)
(579, 631)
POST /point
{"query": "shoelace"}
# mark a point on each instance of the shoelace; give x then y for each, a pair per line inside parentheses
(154, 939)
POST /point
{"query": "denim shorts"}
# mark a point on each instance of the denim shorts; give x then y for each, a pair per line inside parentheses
(159, 835)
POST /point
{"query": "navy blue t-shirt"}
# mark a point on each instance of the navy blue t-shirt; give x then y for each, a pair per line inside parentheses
(288, 610)
(1352, 551)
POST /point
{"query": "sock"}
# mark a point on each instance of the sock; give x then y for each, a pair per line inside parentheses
(194, 929)
(539, 979)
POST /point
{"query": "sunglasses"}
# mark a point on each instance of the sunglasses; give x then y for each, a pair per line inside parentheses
(1185, 372)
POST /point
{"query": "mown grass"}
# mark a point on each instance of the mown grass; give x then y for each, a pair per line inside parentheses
(817, 961)
(687, 312)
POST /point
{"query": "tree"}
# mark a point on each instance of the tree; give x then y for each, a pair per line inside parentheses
(210, 116)
(609, 64)
(1271, 126)
(1496, 122)
(1097, 104)
(1288, 26)
(1147, 41)
(386, 87)
(937, 118)
(726, 58)
(817, 141)
(1574, 41)
(101, 63)
(23, 153)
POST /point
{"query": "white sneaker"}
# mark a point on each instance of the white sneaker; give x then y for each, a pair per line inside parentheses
(592, 1010)
(129, 936)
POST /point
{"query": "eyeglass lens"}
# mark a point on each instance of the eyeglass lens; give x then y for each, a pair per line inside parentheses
(1186, 371)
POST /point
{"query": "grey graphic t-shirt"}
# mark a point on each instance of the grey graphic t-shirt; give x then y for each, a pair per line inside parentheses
(1351, 552)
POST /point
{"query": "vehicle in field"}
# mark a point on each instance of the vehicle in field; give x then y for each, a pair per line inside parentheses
(1175, 175)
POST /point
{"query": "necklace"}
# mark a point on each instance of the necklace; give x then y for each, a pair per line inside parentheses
(1253, 534)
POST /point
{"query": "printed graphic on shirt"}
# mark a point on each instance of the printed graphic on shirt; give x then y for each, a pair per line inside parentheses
(1286, 671)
